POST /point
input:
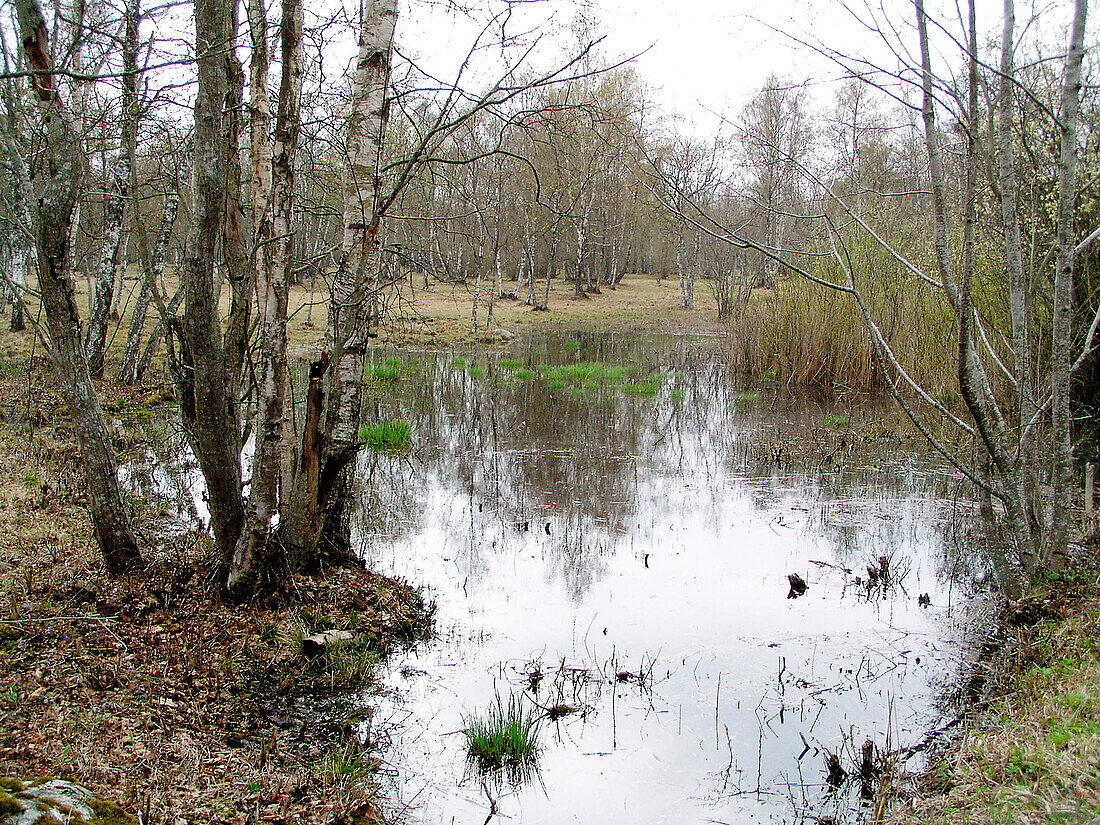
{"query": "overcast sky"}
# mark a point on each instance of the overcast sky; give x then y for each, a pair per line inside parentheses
(693, 54)
(702, 55)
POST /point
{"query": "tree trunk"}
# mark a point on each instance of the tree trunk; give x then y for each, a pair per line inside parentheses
(545, 305)
(973, 380)
(23, 191)
(1028, 458)
(1061, 342)
(153, 346)
(322, 497)
(56, 199)
(479, 265)
(114, 213)
(152, 270)
(239, 272)
(256, 557)
(208, 402)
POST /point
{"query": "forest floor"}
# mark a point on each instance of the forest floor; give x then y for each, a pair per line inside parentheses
(148, 689)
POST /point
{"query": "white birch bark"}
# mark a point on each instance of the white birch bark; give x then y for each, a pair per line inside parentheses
(351, 296)
(153, 271)
(107, 271)
(253, 555)
(55, 202)
(22, 239)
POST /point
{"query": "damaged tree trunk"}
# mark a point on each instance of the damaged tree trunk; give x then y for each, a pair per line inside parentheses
(324, 497)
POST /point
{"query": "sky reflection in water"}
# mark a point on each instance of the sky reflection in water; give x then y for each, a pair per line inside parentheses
(585, 532)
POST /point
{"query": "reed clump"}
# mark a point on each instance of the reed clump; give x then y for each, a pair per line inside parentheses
(387, 436)
(815, 338)
(505, 738)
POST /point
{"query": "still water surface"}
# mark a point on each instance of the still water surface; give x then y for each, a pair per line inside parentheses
(641, 518)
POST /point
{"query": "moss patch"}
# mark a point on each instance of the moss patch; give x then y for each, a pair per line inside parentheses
(108, 813)
(8, 804)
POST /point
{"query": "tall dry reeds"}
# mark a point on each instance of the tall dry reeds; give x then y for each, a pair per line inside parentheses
(803, 335)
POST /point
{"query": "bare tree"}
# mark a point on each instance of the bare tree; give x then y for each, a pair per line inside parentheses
(253, 556)
(56, 197)
(1009, 464)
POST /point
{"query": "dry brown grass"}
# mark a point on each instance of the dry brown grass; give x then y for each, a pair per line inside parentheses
(808, 336)
(440, 315)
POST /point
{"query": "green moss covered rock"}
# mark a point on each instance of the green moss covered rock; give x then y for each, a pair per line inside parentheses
(46, 801)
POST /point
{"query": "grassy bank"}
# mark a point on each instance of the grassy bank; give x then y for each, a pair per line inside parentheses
(440, 315)
(1033, 755)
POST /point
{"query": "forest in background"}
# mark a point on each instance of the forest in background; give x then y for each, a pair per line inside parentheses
(924, 228)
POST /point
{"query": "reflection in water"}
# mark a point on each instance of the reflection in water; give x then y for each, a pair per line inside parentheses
(621, 560)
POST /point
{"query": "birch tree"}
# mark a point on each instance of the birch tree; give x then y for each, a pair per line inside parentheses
(255, 554)
(59, 184)
(324, 477)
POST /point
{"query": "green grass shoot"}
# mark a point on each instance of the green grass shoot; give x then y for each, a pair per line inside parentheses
(387, 436)
(504, 739)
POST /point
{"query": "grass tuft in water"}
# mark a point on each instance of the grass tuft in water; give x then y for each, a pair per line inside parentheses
(651, 386)
(587, 373)
(523, 374)
(387, 436)
(386, 372)
(510, 364)
(505, 739)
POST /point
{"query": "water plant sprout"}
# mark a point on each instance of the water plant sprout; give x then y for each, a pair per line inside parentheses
(387, 436)
(505, 739)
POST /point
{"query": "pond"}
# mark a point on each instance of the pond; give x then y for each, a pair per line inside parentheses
(607, 526)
